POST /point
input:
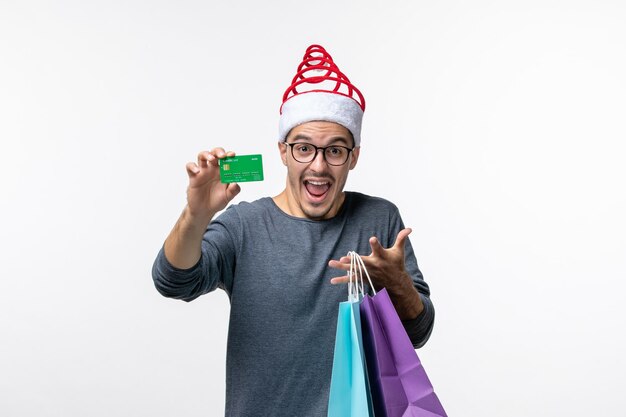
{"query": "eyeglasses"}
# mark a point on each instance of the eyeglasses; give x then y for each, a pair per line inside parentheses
(305, 152)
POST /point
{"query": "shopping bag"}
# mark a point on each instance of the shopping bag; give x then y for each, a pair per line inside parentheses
(349, 388)
(398, 382)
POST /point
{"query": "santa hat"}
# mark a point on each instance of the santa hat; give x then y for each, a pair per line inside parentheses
(320, 92)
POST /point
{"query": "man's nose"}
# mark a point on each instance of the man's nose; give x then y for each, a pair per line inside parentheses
(319, 161)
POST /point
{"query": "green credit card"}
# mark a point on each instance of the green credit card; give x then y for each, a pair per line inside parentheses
(241, 168)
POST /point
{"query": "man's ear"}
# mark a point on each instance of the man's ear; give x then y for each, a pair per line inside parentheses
(282, 148)
(355, 157)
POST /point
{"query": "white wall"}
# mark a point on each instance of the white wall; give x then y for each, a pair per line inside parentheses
(496, 127)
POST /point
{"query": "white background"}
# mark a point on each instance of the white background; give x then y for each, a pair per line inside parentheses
(496, 127)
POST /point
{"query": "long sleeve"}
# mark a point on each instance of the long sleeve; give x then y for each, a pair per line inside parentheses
(420, 328)
(214, 269)
(182, 284)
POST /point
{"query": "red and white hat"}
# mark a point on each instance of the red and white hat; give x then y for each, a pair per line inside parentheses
(320, 92)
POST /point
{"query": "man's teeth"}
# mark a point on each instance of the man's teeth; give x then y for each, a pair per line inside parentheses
(317, 182)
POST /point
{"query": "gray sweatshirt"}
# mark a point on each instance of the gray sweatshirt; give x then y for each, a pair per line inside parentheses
(274, 268)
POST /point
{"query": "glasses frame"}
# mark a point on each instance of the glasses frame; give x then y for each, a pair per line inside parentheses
(319, 148)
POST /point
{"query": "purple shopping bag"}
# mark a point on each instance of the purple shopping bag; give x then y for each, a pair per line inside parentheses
(398, 382)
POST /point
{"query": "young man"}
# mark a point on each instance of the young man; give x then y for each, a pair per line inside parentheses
(278, 258)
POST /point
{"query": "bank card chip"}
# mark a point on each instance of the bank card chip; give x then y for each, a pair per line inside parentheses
(241, 168)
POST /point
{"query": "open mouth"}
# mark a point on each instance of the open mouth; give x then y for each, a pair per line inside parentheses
(317, 189)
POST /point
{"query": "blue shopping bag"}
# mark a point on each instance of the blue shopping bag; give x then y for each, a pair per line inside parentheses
(349, 387)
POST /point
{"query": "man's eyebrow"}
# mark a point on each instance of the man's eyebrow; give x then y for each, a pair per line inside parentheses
(333, 141)
(300, 136)
(340, 139)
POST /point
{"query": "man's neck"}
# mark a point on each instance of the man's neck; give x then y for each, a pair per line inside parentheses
(290, 207)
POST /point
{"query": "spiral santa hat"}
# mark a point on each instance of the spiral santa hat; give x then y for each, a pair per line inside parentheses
(320, 92)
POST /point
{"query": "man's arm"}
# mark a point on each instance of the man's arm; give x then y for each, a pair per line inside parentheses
(410, 296)
(178, 271)
(206, 196)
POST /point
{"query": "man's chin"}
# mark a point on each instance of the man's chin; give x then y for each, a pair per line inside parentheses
(316, 211)
(319, 211)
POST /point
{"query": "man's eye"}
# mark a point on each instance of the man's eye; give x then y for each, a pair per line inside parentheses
(335, 151)
(303, 148)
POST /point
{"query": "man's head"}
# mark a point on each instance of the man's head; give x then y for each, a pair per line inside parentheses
(321, 109)
(316, 177)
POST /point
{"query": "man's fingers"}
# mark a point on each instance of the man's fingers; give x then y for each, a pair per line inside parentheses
(213, 156)
(377, 249)
(343, 263)
(340, 280)
(219, 152)
(232, 190)
(402, 235)
(192, 169)
(205, 158)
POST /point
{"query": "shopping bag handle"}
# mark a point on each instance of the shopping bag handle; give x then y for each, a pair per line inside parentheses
(356, 287)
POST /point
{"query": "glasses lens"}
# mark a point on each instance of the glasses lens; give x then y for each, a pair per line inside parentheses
(303, 152)
(336, 155)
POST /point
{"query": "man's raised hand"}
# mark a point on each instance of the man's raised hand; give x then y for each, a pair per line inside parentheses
(206, 195)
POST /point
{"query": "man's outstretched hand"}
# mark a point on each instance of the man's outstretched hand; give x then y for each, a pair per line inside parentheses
(386, 268)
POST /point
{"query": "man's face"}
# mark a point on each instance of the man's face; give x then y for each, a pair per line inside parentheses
(315, 189)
